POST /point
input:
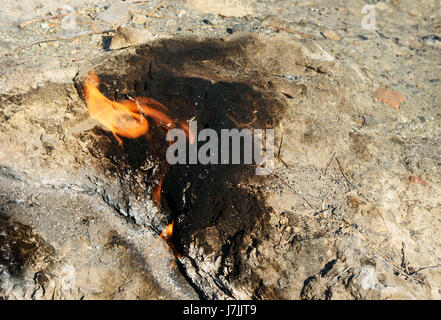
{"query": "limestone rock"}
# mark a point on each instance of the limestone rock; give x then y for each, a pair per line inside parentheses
(126, 37)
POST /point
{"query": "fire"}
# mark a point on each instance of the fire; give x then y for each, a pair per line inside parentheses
(126, 118)
(166, 234)
(117, 117)
(157, 193)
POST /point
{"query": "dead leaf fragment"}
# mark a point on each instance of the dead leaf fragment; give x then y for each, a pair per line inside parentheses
(392, 98)
(417, 180)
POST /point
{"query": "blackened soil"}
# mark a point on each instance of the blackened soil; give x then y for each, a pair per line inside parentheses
(197, 196)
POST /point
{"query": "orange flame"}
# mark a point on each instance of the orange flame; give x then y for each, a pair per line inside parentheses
(166, 234)
(157, 193)
(125, 118)
(115, 116)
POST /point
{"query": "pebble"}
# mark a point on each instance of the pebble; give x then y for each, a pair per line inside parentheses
(126, 37)
(415, 44)
(139, 18)
(370, 120)
(239, 27)
(432, 40)
(329, 34)
(116, 14)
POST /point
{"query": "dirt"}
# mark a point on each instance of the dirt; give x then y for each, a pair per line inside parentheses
(350, 211)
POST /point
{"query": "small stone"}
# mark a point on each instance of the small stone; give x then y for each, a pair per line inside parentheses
(239, 27)
(228, 8)
(329, 34)
(272, 21)
(383, 7)
(432, 40)
(181, 13)
(370, 120)
(415, 44)
(229, 31)
(392, 98)
(115, 15)
(126, 37)
(139, 18)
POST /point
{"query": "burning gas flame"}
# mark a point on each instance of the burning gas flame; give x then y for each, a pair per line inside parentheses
(166, 234)
(126, 118)
(157, 193)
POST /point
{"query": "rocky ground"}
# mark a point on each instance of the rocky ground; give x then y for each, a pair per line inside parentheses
(351, 211)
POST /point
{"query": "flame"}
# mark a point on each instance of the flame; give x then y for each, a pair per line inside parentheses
(166, 234)
(157, 193)
(117, 117)
(126, 118)
(168, 231)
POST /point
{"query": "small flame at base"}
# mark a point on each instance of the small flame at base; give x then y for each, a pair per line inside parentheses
(157, 192)
(166, 234)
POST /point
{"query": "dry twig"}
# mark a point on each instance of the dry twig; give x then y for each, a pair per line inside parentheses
(61, 15)
(339, 275)
(156, 8)
(344, 176)
(162, 17)
(425, 268)
(56, 39)
(304, 35)
(404, 263)
(330, 161)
